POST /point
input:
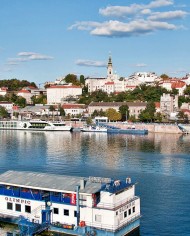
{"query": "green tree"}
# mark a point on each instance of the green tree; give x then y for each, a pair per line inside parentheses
(20, 101)
(124, 110)
(113, 115)
(3, 112)
(82, 80)
(62, 111)
(148, 113)
(71, 78)
(164, 76)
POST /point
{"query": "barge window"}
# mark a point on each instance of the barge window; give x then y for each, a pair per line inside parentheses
(75, 213)
(66, 212)
(98, 218)
(133, 209)
(56, 211)
(125, 214)
(27, 209)
(17, 207)
(129, 211)
(9, 205)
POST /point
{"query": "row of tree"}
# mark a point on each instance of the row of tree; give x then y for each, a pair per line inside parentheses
(15, 84)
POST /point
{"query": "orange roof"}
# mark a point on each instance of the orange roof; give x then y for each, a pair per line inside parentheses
(178, 84)
(71, 106)
(109, 83)
(157, 104)
(23, 91)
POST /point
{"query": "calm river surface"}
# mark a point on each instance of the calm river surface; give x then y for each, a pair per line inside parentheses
(159, 163)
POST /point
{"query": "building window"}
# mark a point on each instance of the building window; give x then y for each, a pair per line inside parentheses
(129, 212)
(98, 218)
(116, 213)
(17, 207)
(75, 213)
(9, 205)
(56, 211)
(28, 209)
(66, 212)
(133, 209)
(125, 214)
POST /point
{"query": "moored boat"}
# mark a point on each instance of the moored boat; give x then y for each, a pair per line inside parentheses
(35, 125)
(98, 129)
(68, 204)
(185, 128)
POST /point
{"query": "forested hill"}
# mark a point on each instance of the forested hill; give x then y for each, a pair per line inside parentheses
(15, 84)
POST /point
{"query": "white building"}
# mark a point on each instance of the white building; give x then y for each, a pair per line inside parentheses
(74, 109)
(3, 91)
(142, 78)
(57, 93)
(7, 105)
(25, 94)
(174, 84)
(168, 104)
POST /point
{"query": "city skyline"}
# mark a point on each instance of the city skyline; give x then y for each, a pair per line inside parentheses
(44, 40)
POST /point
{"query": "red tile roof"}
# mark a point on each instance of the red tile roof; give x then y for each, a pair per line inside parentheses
(178, 84)
(23, 91)
(72, 106)
(109, 83)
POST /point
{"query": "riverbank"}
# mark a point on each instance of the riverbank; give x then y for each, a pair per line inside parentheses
(151, 127)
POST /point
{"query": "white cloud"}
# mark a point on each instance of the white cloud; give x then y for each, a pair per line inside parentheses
(167, 15)
(120, 29)
(120, 11)
(82, 62)
(160, 3)
(141, 65)
(34, 56)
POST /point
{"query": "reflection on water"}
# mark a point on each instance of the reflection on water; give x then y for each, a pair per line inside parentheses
(160, 163)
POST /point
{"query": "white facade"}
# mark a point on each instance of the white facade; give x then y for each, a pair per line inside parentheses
(142, 78)
(168, 104)
(3, 91)
(74, 109)
(56, 94)
(25, 94)
(7, 105)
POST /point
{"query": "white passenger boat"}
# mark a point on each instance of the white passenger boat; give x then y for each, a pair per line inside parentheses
(35, 125)
(185, 128)
(98, 129)
(67, 204)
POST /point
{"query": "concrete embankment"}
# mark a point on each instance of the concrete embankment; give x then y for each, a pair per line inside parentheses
(151, 127)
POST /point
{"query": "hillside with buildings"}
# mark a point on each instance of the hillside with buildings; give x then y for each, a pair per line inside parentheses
(142, 96)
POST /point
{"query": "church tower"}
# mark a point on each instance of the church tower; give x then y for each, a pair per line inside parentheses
(110, 69)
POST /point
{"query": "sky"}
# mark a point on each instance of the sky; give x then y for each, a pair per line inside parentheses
(42, 40)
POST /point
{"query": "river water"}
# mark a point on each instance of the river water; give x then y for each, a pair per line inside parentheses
(159, 163)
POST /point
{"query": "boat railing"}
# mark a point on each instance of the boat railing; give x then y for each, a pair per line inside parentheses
(116, 227)
(114, 206)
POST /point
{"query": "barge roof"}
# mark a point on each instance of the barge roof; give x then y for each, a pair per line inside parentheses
(46, 181)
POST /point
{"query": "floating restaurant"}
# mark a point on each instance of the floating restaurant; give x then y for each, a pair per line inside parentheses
(68, 204)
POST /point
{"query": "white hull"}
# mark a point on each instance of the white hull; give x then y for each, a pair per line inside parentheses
(34, 125)
(96, 129)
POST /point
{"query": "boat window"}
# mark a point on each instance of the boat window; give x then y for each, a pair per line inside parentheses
(75, 213)
(56, 210)
(133, 209)
(27, 209)
(66, 212)
(9, 205)
(25, 190)
(15, 188)
(55, 194)
(17, 207)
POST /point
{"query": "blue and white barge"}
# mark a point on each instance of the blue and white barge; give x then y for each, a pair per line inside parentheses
(68, 204)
